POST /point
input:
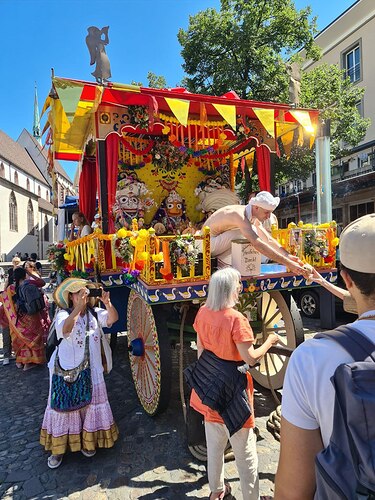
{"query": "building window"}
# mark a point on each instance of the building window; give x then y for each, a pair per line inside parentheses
(359, 106)
(2, 170)
(47, 195)
(46, 229)
(16, 178)
(28, 184)
(360, 210)
(39, 191)
(30, 218)
(352, 63)
(337, 215)
(13, 216)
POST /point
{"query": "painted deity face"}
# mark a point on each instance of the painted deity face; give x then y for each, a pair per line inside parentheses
(128, 202)
(174, 208)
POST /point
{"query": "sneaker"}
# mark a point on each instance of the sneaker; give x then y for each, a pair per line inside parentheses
(88, 454)
(54, 461)
(5, 361)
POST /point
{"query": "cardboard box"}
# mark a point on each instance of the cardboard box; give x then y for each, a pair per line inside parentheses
(245, 258)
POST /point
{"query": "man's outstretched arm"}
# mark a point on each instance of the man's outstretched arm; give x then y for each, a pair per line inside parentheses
(266, 249)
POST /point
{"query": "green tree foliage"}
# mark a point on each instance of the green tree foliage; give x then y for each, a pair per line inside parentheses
(326, 88)
(244, 46)
(155, 81)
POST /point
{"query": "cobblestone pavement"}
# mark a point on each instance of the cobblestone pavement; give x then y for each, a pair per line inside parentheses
(149, 461)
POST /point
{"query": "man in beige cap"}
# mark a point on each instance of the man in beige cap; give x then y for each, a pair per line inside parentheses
(245, 221)
(308, 394)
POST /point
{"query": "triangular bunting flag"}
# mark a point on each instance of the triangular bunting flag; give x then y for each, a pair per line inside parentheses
(267, 119)
(46, 127)
(228, 112)
(69, 94)
(303, 117)
(46, 105)
(180, 109)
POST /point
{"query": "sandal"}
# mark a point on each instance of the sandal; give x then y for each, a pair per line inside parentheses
(88, 454)
(54, 461)
(29, 366)
(224, 494)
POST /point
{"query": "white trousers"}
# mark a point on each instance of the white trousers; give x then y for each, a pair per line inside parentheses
(243, 445)
(221, 245)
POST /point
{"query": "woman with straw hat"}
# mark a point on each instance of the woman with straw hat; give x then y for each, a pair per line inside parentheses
(92, 426)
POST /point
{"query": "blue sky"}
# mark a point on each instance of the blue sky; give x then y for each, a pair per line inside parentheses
(42, 34)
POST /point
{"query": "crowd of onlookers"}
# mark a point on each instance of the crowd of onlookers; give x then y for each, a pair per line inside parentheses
(26, 329)
(316, 403)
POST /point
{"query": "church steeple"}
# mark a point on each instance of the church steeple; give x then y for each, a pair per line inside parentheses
(36, 125)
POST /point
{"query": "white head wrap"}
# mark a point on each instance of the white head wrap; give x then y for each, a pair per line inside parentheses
(265, 200)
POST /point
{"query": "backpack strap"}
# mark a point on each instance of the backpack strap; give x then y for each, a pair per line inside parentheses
(352, 340)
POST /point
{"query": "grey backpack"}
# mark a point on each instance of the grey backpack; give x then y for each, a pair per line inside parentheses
(345, 469)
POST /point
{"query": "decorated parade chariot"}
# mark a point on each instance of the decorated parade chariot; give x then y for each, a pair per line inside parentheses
(161, 161)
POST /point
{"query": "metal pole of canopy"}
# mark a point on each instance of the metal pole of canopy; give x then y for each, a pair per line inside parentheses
(323, 173)
(103, 190)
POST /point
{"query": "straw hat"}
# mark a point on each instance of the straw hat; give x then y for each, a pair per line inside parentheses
(70, 285)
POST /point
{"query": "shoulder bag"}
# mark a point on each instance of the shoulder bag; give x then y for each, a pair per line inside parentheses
(72, 389)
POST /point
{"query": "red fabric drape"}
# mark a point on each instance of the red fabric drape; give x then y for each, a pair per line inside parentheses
(87, 189)
(264, 168)
(112, 161)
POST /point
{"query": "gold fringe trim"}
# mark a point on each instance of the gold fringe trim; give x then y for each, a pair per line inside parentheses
(75, 442)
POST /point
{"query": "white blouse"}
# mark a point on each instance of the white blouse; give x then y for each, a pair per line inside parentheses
(72, 348)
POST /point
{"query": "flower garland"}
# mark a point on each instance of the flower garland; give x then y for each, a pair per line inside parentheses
(316, 245)
(128, 166)
(184, 251)
(129, 276)
(168, 157)
(56, 256)
(131, 247)
(138, 115)
(247, 301)
(124, 249)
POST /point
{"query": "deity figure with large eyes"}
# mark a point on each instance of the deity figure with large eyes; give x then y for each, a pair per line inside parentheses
(131, 202)
(170, 217)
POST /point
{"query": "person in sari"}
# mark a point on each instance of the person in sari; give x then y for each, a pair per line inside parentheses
(92, 426)
(28, 332)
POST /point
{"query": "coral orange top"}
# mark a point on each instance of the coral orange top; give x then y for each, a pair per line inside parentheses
(219, 332)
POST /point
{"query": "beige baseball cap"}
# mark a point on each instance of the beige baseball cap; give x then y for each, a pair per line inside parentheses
(357, 245)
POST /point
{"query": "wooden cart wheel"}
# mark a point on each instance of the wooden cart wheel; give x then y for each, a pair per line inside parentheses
(150, 357)
(278, 314)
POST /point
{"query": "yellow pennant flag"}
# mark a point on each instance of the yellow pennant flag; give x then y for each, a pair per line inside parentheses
(46, 105)
(69, 94)
(303, 117)
(46, 126)
(228, 112)
(267, 119)
(180, 109)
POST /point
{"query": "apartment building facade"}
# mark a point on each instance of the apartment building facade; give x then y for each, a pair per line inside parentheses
(349, 42)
